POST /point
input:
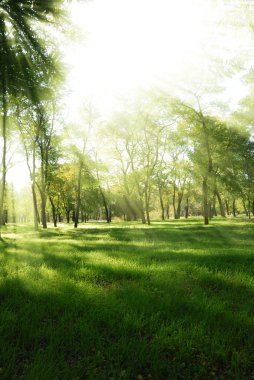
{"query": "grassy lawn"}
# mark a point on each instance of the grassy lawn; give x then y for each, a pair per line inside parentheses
(171, 301)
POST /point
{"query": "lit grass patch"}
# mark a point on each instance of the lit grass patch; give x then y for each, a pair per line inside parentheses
(172, 300)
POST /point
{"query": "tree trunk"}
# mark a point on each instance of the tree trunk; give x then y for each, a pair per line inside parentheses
(209, 171)
(54, 215)
(78, 195)
(4, 130)
(35, 208)
(187, 208)
(161, 204)
(148, 214)
(43, 206)
(214, 211)
(205, 201)
(179, 202)
(167, 210)
(174, 200)
(142, 212)
(245, 209)
(227, 206)
(107, 209)
(234, 208)
(210, 209)
(147, 202)
(32, 173)
(249, 207)
(222, 209)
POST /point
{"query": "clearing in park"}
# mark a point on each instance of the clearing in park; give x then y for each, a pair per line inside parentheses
(172, 300)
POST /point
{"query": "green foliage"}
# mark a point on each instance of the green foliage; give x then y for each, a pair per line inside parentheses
(24, 58)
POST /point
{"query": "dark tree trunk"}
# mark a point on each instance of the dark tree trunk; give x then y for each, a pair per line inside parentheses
(78, 201)
(38, 216)
(245, 209)
(43, 197)
(209, 171)
(210, 209)
(227, 206)
(174, 200)
(107, 209)
(179, 202)
(4, 136)
(249, 207)
(147, 202)
(43, 209)
(167, 210)
(161, 204)
(234, 208)
(148, 215)
(187, 208)
(54, 215)
(222, 210)
(205, 202)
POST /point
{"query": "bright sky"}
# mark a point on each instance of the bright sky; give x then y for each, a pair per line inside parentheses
(133, 44)
(130, 44)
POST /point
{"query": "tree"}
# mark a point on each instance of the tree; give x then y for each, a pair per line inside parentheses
(29, 134)
(199, 130)
(24, 59)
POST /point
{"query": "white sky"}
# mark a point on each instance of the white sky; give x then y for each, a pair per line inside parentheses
(129, 44)
(133, 44)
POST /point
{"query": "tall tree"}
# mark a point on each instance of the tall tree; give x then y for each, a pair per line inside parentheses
(24, 59)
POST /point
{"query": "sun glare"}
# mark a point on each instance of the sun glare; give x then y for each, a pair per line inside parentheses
(132, 44)
(128, 45)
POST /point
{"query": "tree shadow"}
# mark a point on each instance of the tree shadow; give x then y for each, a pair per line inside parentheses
(121, 303)
(128, 329)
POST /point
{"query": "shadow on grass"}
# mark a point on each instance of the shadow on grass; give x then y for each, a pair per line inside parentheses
(106, 303)
(122, 332)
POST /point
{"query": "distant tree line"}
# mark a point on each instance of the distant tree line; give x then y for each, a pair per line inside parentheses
(160, 159)
(162, 156)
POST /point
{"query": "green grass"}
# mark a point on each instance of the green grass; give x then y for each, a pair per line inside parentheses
(171, 301)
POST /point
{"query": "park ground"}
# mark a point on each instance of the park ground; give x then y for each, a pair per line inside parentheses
(173, 300)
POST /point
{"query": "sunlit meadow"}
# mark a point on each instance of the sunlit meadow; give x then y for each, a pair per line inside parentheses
(170, 301)
(126, 190)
